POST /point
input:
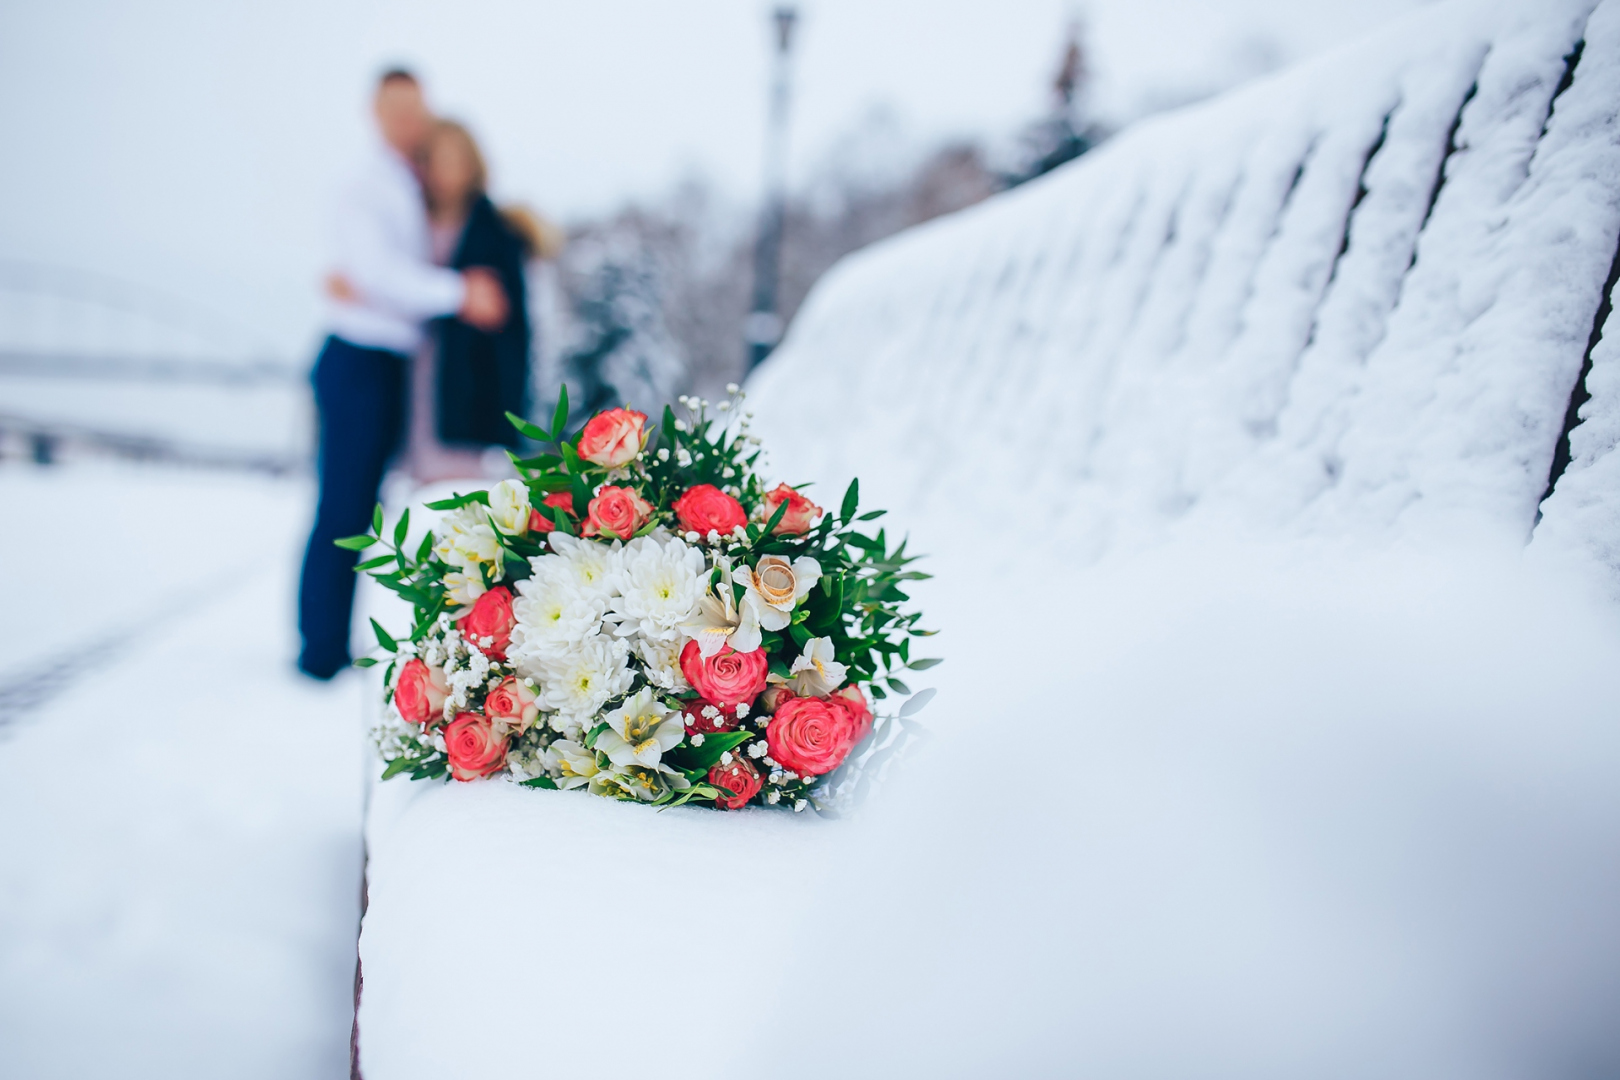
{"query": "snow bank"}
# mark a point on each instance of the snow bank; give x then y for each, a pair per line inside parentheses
(1219, 784)
(1352, 299)
(180, 857)
(1283, 813)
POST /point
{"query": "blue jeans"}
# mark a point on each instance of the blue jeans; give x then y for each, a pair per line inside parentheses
(360, 399)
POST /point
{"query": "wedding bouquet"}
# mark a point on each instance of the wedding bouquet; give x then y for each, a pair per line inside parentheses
(638, 617)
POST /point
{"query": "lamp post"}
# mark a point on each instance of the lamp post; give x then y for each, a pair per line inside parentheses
(763, 328)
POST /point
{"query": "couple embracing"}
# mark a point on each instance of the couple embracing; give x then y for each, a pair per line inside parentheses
(429, 342)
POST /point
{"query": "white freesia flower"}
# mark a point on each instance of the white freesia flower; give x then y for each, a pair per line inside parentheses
(466, 543)
(590, 565)
(569, 763)
(580, 681)
(638, 782)
(720, 621)
(662, 662)
(509, 507)
(775, 586)
(817, 671)
(640, 730)
(660, 584)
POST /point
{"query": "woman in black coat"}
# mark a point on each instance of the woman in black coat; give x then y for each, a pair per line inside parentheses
(479, 376)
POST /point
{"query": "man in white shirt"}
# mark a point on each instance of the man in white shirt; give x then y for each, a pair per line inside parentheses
(384, 254)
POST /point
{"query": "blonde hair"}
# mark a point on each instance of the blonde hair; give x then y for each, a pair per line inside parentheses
(542, 238)
(453, 130)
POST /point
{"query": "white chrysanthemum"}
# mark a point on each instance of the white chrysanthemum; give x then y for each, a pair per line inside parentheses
(587, 564)
(552, 615)
(659, 587)
(662, 662)
(583, 679)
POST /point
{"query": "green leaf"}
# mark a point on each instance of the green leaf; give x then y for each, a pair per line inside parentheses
(533, 431)
(377, 520)
(402, 528)
(776, 517)
(561, 520)
(372, 564)
(397, 766)
(355, 543)
(366, 661)
(852, 499)
(540, 782)
(425, 548)
(871, 515)
(899, 687)
(383, 638)
(704, 757)
(559, 418)
(456, 502)
(924, 665)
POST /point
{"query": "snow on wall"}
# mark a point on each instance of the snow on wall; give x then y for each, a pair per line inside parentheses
(1353, 298)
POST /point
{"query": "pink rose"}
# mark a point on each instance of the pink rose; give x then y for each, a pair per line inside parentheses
(728, 678)
(617, 512)
(540, 520)
(800, 514)
(811, 736)
(851, 698)
(473, 747)
(740, 778)
(419, 692)
(706, 508)
(613, 438)
(491, 617)
(698, 724)
(511, 705)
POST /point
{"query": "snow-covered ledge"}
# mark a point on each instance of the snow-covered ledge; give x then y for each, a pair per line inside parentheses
(1351, 305)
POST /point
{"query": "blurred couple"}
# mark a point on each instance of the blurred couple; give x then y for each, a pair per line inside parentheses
(429, 342)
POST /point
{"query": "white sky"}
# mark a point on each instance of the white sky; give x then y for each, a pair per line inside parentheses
(192, 144)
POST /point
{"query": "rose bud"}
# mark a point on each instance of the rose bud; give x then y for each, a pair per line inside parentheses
(706, 508)
(851, 698)
(511, 706)
(740, 778)
(799, 516)
(613, 438)
(491, 617)
(617, 512)
(540, 519)
(474, 749)
(774, 695)
(728, 678)
(811, 736)
(419, 692)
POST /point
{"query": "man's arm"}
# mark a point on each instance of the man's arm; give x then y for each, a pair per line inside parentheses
(387, 277)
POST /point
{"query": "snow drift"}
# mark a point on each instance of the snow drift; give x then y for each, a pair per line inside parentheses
(1260, 751)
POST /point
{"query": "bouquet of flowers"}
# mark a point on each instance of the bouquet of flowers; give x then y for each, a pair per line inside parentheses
(637, 616)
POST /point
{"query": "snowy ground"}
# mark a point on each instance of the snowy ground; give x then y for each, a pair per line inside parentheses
(179, 876)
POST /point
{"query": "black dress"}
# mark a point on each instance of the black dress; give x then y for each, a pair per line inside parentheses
(484, 376)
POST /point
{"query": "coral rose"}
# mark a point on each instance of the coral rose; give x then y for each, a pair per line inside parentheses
(490, 619)
(698, 724)
(799, 516)
(540, 519)
(706, 508)
(728, 678)
(511, 706)
(617, 512)
(473, 747)
(740, 778)
(419, 692)
(613, 438)
(811, 736)
(851, 698)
